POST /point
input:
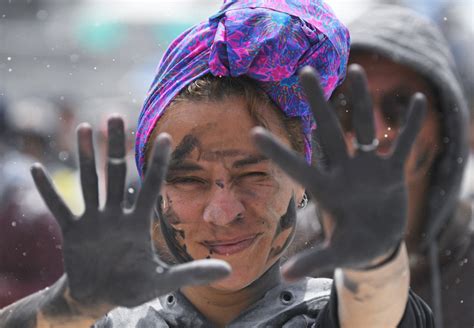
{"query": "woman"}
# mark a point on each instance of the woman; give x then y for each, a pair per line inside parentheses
(226, 212)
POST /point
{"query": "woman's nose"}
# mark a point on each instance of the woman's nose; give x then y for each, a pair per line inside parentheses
(223, 207)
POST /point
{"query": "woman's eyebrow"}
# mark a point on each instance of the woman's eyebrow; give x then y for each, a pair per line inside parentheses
(250, 160)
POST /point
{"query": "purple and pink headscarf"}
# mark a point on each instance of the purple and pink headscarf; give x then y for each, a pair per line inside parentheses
(266, 40)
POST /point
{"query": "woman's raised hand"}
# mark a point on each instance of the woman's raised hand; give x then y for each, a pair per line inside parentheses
(364, 195)
(108, 252)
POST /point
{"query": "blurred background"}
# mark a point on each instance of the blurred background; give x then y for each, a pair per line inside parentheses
(91, 57)
(97, 56)
(64, 62)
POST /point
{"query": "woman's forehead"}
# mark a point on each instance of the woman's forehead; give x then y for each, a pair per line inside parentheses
(209, 147)
(204, 116)
(216, 125)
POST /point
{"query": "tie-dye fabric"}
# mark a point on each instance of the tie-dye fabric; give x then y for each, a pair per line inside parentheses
(267, 40)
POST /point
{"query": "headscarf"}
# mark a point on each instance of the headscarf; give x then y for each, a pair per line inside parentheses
(266, 40)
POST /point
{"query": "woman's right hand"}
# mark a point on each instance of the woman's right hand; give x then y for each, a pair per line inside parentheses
(108, 254)
(363, 196)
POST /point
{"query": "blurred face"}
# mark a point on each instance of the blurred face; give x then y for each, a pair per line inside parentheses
(391, 86)
(222, 198)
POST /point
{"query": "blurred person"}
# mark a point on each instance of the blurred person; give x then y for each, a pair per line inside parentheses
(30, 238)
(403, 53)
(219, 90)
(35, 124)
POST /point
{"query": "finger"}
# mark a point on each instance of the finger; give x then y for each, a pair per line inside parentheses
(89, 181)
(154, 177)
(198, 272)
(116, 167)
(290, 162)
(55, 203)
(363, 116)
(328, 129)
(310, 262)
(408, 134)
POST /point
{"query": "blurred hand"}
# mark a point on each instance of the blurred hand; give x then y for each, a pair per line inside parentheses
(364, 195)
(108, 253)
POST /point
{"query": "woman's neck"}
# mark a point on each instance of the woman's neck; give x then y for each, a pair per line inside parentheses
(221, 307)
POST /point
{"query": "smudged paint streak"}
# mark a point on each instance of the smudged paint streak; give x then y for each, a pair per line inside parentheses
(185, 147)
(172, 235)
(287, 221)
(351, 285)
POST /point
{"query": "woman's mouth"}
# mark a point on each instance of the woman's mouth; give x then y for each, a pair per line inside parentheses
(231, 246)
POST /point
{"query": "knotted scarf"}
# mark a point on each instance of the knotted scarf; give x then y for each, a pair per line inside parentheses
(266, 40)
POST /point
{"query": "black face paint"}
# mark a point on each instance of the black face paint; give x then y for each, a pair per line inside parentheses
(289, 218)
(185, 147)
(169, 218)
(350, 284)
(171, 235)
(287, 221)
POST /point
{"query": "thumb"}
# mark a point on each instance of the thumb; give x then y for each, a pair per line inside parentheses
(198, 272)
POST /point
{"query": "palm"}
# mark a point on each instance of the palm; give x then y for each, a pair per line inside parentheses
(108, 252)
(364, 194)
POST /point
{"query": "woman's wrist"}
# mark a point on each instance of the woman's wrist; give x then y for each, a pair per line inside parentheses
(374, 297)
(62, 309)
(383, 259)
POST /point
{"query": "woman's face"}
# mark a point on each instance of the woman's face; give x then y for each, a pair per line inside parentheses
(222, 198)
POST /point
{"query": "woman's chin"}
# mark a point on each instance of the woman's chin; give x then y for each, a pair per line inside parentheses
(235, 281)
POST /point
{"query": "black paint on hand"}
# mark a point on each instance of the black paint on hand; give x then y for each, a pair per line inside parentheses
(365, 195)
(108, 253)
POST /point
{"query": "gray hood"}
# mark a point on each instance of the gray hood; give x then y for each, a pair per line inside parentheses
(406, 38)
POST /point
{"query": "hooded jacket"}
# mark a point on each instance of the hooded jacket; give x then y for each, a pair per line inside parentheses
(408, 39)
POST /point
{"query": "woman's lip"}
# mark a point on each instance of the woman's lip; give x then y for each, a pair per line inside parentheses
(232, 246)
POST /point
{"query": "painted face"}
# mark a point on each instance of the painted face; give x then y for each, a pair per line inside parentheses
(391, 86)
(222, 198)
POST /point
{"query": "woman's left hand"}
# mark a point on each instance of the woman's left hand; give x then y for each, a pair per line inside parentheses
(364, 194)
